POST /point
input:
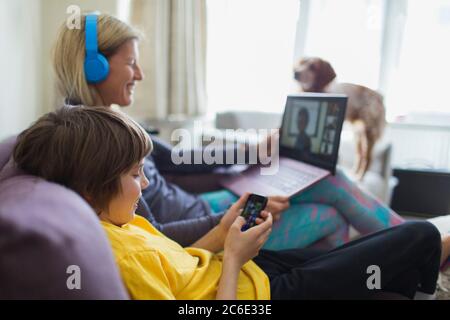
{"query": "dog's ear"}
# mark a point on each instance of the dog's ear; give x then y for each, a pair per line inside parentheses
(325, 74)
(300, 63)
(298, 67)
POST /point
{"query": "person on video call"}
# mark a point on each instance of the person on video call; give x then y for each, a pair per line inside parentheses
(303, 141)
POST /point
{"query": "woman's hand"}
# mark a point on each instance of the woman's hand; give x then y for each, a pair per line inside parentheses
(276, 205)
(241, 247)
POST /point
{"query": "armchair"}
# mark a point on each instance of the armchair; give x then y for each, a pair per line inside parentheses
(44, 229)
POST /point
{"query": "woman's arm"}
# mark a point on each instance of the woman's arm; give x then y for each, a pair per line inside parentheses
(162, 155)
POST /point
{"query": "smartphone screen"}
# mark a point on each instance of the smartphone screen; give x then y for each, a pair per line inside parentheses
(253, 207)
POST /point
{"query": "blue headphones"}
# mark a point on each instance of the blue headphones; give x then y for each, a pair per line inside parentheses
(96, 66)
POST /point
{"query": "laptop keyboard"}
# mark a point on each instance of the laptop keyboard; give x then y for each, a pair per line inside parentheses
(287, 179)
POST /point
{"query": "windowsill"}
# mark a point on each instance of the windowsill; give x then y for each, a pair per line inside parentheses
(419, 126)
(423, 121)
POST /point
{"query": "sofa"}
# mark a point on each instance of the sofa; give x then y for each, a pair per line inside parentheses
(51, 242)
(46, 229)
(48, 232)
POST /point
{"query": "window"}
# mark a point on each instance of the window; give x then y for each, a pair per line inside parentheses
(250, 53)
(397, 47)
(348, 34)
(420, 81)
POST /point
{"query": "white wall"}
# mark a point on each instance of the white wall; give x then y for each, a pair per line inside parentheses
(20, 55)
(53, 15)
(28, 30)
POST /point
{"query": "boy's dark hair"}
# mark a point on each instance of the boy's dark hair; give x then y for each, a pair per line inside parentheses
(84, 149)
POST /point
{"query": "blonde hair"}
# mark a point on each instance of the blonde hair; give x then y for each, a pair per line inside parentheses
(69, 54)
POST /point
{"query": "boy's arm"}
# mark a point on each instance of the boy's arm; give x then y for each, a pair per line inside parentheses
(228, 281)
(215, 239)
(240, 247)
(212, 241)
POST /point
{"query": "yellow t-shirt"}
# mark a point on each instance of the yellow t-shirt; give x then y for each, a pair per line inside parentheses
(155, 267)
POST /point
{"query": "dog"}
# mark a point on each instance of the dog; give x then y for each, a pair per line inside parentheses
(365, 107)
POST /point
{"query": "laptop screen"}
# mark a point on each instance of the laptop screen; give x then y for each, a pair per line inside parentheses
(311, 128)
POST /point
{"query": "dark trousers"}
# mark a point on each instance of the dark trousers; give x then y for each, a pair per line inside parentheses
(407, 255)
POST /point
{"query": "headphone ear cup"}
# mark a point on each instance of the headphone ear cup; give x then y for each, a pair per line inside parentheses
(96, 68)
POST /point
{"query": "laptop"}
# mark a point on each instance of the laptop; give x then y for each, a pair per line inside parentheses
(308, 151)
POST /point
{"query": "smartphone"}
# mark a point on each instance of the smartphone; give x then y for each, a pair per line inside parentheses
(252, 209)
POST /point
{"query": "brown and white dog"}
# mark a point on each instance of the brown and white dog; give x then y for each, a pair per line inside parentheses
(365, 108)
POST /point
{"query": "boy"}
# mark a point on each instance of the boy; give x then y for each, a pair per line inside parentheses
(99, 153)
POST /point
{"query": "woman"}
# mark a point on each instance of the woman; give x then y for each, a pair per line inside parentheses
(320, 216)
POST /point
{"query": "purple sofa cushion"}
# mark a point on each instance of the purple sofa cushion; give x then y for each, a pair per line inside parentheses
(44, 229)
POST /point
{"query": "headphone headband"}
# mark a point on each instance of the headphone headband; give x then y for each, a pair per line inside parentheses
(91, 35)
(96, 66)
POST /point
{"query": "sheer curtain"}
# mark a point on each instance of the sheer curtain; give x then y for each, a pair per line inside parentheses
(250, 53)
(173, 57)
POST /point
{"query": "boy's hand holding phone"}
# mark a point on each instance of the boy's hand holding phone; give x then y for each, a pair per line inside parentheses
(234, 211)
(230, 216)
(242, 246)
(249, 231)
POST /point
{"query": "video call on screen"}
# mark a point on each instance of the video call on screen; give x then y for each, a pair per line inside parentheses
(310, 127)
